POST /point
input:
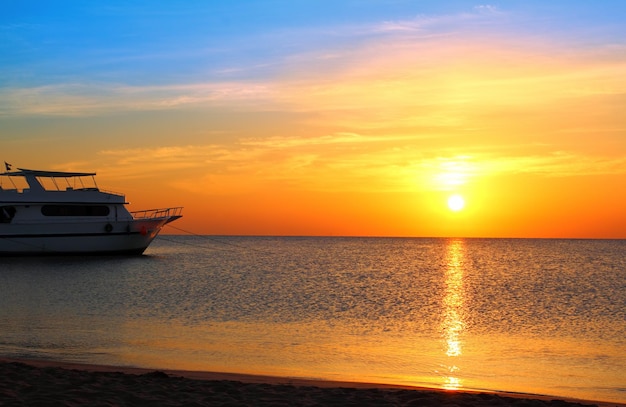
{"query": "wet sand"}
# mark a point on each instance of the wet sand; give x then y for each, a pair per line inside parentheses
(52, 383)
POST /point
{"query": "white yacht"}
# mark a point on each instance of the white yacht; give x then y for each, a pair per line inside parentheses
(50, 212)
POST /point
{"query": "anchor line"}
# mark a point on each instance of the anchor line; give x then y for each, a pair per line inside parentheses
(160, 237)
(209, 238)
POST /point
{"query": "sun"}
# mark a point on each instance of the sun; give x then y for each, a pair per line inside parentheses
(456, 202)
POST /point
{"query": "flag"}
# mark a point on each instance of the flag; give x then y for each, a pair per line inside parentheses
(7, 166)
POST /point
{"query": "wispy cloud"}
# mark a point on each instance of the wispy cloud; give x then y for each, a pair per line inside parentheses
(340, 162)
(86, 99)
(415, 63)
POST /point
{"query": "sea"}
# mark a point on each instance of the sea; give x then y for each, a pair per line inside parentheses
(535, 316)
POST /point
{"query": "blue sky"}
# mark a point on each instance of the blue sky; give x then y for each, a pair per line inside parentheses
(157, 42)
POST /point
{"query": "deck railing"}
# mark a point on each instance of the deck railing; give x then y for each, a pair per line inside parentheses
(157, 213)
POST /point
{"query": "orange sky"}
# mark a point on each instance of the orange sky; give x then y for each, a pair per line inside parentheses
(369, 135)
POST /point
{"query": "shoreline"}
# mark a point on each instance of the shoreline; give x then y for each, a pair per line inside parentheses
(69, 383)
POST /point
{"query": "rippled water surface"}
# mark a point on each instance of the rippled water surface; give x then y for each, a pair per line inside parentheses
(525, 315)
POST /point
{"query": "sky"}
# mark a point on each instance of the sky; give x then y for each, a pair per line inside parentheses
(331, 118)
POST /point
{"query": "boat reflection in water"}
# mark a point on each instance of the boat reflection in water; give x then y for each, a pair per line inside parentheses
(453, 324)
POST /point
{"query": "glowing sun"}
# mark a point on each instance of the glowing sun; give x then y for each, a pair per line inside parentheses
(456, 202)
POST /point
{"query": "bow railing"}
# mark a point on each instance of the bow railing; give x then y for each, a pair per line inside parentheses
(157, 213)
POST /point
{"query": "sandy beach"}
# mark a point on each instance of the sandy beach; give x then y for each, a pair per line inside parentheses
(52, 383)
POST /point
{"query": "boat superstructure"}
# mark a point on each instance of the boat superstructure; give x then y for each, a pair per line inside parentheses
(54, 212)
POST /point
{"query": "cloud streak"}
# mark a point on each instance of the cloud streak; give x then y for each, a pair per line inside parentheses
(341, 162)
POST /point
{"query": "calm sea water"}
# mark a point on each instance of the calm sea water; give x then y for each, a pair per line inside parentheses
(523, 315)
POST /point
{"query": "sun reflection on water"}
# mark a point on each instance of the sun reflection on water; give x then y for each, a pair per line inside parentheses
(453, 324)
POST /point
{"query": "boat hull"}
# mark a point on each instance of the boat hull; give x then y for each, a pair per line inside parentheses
(92, 238)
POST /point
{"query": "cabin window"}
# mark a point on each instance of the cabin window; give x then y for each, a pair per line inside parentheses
(75, 210)
(7, 213)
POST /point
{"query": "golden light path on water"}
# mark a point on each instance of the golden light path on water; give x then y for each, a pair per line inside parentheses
(453, 324)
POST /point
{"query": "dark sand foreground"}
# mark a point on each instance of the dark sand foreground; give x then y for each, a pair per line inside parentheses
(45, 383)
